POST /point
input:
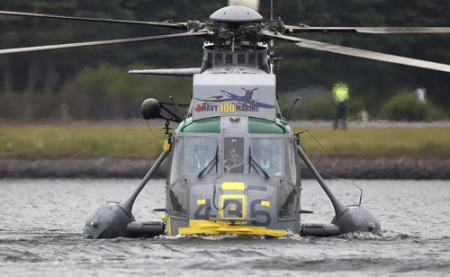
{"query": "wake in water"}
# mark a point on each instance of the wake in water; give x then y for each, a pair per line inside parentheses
(286, 236)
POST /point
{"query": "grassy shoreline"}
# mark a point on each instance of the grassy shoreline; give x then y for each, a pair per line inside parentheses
(363, 142)
(82, 140)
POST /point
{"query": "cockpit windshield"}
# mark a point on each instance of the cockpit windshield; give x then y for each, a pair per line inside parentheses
(201, 156)
(191, 155)
(267, 153)
(199, 153)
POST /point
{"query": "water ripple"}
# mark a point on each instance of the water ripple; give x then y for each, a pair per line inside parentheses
(41, 235)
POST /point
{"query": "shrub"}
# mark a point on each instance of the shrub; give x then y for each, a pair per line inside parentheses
(406, 107)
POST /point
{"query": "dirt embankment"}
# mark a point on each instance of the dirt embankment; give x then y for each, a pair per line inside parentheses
(382, 168)
(340, 167)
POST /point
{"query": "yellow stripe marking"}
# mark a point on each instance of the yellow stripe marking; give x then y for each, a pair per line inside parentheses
(265, 203)
(232, 196)
(216, 227)
(168, 227)
(201, 201)
(233, 186)
(166, 145)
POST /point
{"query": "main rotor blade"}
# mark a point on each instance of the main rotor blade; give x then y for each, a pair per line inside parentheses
(173, 25)
(178, 72)
(368, 30)
(355, 52)
(101, 42)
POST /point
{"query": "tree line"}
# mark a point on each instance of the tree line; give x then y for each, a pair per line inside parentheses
(92, 82)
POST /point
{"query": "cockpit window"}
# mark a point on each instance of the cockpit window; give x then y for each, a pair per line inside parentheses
(199, 153)
(228, 58)
(210, 57)
(241, 58)
(218, 59)
(233, 155)
(268, 154)
(251, 59)
(260, 59)
(190, 155)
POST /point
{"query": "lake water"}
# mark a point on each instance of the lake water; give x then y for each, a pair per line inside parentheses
(41, 224)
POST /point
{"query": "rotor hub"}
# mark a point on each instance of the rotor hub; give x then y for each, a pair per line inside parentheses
(236, 14)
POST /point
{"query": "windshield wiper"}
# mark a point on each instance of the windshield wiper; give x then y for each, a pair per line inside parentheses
(213, 162)
(255, 165)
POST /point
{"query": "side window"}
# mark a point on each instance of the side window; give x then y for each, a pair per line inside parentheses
(291, 161)
(233, 155)
(176, 168)
(287, 200)
(178, 197)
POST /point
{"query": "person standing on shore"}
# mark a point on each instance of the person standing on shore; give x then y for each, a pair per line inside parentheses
(341, 96)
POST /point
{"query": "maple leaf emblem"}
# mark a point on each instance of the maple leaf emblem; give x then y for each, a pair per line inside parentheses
(199, 108)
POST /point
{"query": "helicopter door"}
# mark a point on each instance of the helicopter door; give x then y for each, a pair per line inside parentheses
(233, 155)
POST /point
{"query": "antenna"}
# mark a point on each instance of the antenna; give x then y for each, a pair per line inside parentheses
(176, 105)
(293, 104)
(271, 9)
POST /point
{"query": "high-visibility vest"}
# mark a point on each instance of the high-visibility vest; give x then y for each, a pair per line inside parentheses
(341, 93)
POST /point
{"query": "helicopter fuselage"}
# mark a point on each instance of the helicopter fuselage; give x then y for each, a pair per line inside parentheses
(233, 174)
(234, 166)
(234, 161)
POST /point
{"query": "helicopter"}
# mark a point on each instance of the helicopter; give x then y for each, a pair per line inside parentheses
(234, 161)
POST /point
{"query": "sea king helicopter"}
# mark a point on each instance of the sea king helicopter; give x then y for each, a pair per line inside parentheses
(234, 163)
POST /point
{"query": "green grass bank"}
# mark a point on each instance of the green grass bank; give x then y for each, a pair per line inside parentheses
(140, 141)
(128, 150)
